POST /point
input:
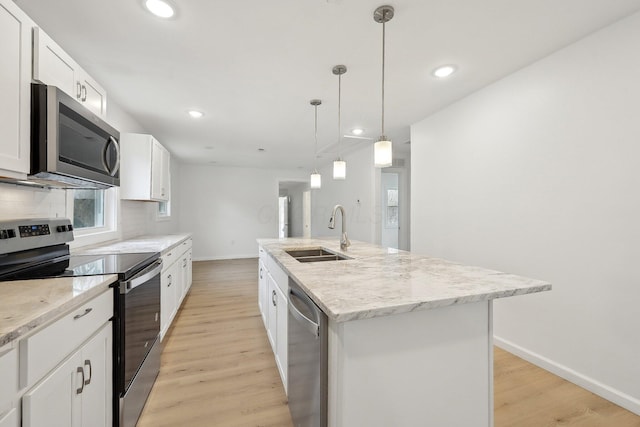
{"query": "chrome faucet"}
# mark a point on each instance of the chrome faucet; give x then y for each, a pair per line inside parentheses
(344, 240)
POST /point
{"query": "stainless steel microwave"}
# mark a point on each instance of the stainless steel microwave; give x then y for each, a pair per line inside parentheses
(71, 147)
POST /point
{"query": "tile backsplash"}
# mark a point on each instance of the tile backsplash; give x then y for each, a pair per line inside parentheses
(24, 202)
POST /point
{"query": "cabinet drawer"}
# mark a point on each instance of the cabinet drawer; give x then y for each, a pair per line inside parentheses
(185, 246)
(43, 350)
(169, 258)
(279, 276)
(9, 375)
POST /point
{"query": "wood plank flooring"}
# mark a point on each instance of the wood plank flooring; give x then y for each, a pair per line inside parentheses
(218, 369)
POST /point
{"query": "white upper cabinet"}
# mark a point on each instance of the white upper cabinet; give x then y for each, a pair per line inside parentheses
(15, 90)
(53, 66)
(145, 168)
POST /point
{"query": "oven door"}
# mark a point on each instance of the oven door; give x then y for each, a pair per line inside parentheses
(139, 321)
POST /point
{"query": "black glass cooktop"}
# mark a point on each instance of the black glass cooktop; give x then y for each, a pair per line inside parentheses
(124, 265)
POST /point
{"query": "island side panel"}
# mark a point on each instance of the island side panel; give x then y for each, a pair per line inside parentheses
(430, 367)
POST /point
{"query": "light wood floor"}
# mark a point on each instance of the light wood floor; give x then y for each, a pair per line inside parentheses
(218, 369)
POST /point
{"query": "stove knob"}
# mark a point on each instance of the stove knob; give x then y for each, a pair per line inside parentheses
(61, 228)
(69, 227)
(11, 233)
(3, 234)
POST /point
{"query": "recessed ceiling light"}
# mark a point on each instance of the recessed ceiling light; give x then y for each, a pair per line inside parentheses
(444, 71)
(195, 114)
(160, 8)
(357, 131)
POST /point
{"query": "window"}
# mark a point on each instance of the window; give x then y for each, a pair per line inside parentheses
(94, 215)
(88, 209)
(164, 210)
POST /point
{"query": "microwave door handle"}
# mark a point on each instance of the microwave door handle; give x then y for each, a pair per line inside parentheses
(116, 167)
(105, 154)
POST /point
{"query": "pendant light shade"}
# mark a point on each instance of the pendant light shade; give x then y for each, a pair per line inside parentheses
(383, 150)
(339, 165)
(315, 180)
(382, 154)
(339, 169)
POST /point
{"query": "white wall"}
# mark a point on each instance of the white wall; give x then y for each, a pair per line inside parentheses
(228, 208)
(358, 193)
(538, 175)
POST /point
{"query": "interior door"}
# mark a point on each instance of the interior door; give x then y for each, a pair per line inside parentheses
(283, 217)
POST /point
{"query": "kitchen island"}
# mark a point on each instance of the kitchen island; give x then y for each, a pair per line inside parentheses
(410, 339)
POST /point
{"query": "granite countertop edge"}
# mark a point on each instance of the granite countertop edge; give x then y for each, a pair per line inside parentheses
(327, 295)
(46, 312)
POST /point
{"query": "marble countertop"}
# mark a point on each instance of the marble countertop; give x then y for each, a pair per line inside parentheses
(379, 281)
(27, 304)
(159, 243)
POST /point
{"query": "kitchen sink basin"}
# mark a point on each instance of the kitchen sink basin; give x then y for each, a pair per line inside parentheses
(314, 255)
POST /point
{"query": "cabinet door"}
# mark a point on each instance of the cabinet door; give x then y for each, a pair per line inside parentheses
(15, 90)
(281, 334)
(92, 95)
(184, 261)
(97, 365)
(262, 291)
(272, 312)
(189, 269)
(158, 159)
(53, 66)
(168, 301)
(56, 400)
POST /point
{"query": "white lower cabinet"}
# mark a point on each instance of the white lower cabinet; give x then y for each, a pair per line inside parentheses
(272, 312)
(282, 313)
(78, 392)
(273, 302)
(168, 298)
(263, 291)
(175, 282)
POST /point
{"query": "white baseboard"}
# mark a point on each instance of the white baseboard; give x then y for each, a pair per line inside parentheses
(219, 258)
(606, 392)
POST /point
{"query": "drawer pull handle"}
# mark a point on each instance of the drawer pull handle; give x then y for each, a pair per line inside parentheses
(169, 254)
(88, 363)
(80, 371)
(86, 311)
(273, 298)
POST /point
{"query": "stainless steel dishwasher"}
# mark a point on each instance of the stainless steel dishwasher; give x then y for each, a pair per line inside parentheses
(307, 360)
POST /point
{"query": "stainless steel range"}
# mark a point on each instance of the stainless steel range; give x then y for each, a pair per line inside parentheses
(37, 248)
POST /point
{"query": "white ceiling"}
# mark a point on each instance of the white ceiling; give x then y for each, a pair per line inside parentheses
(253, 65)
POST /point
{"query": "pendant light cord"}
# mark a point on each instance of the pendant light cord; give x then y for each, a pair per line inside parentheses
(315, 153)
(384, 19)
(339, 115)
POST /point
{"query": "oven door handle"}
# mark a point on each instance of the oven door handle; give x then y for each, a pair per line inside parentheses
(143, 276)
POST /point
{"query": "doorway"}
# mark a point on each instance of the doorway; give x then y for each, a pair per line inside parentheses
(395, 208)
(294, 215)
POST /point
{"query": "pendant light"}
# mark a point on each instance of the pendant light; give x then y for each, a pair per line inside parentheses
(382, 149)
(316, 178)
(339, 165)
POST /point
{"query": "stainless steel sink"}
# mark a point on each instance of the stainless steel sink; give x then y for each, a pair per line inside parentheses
(315, 255)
